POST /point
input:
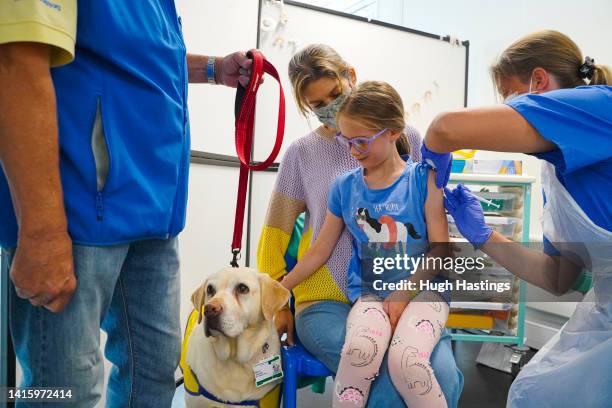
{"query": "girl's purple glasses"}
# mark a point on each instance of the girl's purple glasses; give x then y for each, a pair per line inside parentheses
(361, 144)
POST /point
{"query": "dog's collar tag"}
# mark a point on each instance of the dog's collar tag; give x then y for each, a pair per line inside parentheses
(268, 370)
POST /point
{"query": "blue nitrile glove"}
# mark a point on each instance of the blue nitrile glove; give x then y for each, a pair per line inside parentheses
(467, 212)
(441, 163)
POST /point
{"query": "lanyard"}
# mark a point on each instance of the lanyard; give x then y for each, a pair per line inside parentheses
(245, 120)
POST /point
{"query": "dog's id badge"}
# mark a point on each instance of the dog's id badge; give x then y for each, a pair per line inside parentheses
(268, 370)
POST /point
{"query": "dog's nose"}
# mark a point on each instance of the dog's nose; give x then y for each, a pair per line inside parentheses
(212, 310)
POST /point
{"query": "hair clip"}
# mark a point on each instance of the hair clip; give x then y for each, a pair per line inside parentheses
(587, 69)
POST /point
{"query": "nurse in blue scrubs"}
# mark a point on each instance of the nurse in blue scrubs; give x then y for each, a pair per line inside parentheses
(558, 107)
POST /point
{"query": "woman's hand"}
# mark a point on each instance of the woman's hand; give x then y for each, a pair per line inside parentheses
(467, 213)
(394, 306)
(283, 319)
(440, 162)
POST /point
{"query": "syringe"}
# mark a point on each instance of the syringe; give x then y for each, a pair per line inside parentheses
(483, 200)
(488, 202)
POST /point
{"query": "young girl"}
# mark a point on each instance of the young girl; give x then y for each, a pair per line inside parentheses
(390, 201)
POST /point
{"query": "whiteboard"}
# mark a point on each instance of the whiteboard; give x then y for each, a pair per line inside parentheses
(216, 28)
(428, 73)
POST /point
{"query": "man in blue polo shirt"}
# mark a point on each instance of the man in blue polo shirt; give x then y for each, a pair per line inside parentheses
(95, 157)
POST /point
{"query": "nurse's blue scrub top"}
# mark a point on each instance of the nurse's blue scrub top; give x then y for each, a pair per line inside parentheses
(579, 122)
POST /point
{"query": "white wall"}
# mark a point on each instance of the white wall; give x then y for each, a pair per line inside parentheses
(490, 26)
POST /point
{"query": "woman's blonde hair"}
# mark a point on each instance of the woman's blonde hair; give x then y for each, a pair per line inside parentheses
(556, 53)
(317, 61)
(312, 63)
(377, 105)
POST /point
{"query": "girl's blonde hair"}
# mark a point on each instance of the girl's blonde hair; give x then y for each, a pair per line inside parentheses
(556, 53)
(377, 105)
(312, 63)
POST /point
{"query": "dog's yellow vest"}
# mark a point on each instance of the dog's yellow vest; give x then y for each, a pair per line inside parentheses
(193, 387)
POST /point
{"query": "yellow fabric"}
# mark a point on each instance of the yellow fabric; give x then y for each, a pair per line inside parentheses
(52, 22)
(270, 400)
(318, 286)
(271, 250)
(190, 382)
(273, 243)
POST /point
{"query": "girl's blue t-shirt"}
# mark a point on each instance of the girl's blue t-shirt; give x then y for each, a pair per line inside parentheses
(393, 215)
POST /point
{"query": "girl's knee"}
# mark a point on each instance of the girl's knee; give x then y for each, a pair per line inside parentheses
(408, 364)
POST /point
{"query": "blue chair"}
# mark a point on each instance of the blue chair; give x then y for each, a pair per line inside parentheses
(301, 369)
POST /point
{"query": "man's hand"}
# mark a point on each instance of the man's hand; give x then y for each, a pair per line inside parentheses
(235, 68)
(394, 306)
(42, 268)
(283, 319)
(231, 70)
(43, 271)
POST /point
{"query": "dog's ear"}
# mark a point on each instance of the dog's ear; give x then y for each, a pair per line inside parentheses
(273, 296)
(198, 298)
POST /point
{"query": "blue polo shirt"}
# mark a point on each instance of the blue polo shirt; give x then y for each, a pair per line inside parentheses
(579, 122)
(130, 61)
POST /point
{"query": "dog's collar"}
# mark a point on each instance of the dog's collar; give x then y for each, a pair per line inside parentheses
(203, 392)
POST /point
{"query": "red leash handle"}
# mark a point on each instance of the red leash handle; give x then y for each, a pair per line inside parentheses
(246, 114)
(245, 119)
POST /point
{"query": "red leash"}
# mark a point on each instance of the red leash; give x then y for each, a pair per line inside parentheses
(245, 120)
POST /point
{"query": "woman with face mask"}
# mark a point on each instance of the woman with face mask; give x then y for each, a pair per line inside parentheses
(321, 81)
(558, 108)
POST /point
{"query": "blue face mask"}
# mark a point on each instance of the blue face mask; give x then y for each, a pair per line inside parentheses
(327, 114)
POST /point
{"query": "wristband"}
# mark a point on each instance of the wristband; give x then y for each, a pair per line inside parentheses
(210, 71)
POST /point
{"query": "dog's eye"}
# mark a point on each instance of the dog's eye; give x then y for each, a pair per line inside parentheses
(210, 290)
(242, 289)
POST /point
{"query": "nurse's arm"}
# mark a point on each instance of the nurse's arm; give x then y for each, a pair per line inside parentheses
(499, 128)
(42, 268)
(554, 274)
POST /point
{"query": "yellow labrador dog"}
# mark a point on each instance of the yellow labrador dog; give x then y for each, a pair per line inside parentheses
(234, 334)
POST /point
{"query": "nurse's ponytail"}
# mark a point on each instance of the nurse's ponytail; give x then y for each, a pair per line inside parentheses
(554, 52)
(602, 75)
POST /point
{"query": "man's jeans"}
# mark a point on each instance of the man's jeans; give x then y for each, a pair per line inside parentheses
(321, 328)
(132, 292)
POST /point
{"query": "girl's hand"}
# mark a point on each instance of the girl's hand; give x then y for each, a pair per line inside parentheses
(283, 320)
(286, 282)
(394, 306)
